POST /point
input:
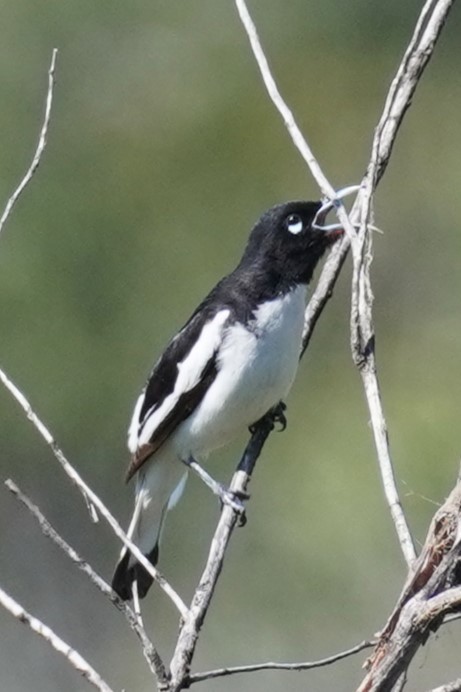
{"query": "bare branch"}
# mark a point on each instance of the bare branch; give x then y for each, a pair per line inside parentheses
(328, 279)
(432, 591)
(417, 56)
(396, 105)
(454, 686)
(439, 595)
(272, 89)
(45, 433)
(296, 135)
(150, 653)
(190, 629)
(75, 659)
(418, 53)
(420, 49)
(89, 495)
(221, 672)
(40, 146)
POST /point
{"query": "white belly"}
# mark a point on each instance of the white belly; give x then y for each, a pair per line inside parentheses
(255, 370)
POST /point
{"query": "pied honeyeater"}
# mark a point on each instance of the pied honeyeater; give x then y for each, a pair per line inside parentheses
(232, 361)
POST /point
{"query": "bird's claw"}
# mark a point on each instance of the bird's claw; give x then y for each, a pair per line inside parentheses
(278, 415)
(235, 499)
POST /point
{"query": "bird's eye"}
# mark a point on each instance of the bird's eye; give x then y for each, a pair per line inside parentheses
(294, 224)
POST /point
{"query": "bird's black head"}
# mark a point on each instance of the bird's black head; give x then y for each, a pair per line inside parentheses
(284, 246)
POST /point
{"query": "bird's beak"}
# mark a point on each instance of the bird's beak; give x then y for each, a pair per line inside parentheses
(334, 230)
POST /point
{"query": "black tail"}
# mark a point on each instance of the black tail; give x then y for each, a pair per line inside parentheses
(125, 574)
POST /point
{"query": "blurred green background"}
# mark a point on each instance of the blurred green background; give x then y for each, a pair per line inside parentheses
(163, 150)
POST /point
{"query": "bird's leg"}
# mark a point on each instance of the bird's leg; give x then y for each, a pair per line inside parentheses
(226, 496)
(136, 604)
(278, 416)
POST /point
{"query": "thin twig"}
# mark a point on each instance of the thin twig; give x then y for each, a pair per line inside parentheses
(306, 665)
(150, 653)
(417, 55)
(90, 495)
(272, 89)
(293, 129)
(40, 146)
(75, 659)
(454, 686)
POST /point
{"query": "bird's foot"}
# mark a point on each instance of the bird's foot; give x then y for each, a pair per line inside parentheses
(228, 497)
(277, 414)
(235, 500)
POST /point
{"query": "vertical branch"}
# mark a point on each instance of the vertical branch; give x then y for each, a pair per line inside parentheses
(416, 58)
(419, 51)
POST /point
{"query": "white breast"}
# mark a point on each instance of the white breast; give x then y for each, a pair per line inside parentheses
(256, 368)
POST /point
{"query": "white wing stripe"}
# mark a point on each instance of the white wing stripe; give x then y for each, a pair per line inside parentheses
(189, 373)
(133, 430)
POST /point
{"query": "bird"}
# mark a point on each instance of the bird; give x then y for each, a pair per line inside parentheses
(232, 361)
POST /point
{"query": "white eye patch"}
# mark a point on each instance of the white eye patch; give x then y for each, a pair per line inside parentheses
(294, 224)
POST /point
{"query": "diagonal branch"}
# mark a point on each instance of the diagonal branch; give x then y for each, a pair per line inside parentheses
(40, 146)
(419, 51)
(431, 592)
(454, 686)
(75, 659)
(293, 129)
(272, 89)
(150, 653)
(190, 630)
(416, 58)
(89, 495)
(417, 55)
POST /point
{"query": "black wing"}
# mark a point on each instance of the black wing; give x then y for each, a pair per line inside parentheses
(177, 384)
